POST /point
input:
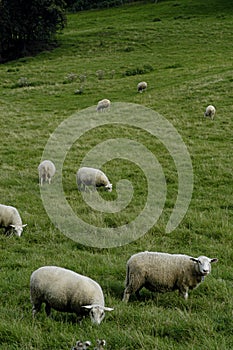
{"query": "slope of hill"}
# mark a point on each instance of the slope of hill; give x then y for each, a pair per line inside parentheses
(183, 51)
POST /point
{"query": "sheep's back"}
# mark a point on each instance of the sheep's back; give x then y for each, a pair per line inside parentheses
(64, 289)
(46, 167)
(101, 179)
(91, 176)
(87, 175)
(160, 269)
(9, 215)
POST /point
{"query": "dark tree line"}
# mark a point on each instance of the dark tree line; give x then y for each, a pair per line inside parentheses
(29, 26)
(80, 5)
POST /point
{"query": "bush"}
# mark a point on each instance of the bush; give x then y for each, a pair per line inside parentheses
(147, 68)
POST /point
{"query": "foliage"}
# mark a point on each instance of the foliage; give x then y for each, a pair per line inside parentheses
(192, 62)
(28, 26)
(139, 70)
(80, 5)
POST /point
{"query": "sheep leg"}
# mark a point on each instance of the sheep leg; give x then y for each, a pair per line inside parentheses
(42, 180)
(36, 308)
(126, 295)
(47, 309)
(184, 293)
(128, 291)
(133, 285)
(137, 293)
(9, 231)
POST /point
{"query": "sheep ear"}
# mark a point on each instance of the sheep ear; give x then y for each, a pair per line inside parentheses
(213, 260)
(24, 225)
(88, 307)
(13, 226)
(194, 259)
(108, 308)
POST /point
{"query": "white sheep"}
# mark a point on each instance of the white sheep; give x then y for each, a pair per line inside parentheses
(68, 291)
(103, 105)
(46, 170)
(9, 217)
(92, 177)
(210, 112)
(163, 272)
(142, 86)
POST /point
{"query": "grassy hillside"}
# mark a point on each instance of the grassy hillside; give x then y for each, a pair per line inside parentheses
(183, 50)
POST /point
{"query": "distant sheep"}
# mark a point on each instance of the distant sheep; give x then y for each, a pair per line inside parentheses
(9, 217)
(46, 171)
(92, 177)
(210, 112)
(103, 105)
(142, 86)
(163, 272)
(67, 291)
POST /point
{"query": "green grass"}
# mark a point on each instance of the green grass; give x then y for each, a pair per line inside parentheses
(184, 51)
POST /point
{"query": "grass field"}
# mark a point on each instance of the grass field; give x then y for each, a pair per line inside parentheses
(183, 50)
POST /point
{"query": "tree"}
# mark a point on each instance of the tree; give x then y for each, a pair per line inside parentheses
(28, 26)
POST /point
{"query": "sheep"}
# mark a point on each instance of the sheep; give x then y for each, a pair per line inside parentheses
(163, 272)
(210, 112)
(103, 105)
(9, 217)
(92, 177)
(65, 290)
(82, 345)
(142, 86)
(46, 170)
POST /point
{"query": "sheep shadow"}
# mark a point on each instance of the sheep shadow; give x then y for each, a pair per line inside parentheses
(170, 300)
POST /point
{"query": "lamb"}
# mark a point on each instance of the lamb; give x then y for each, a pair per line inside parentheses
(65, 290)
(103, 105)
(46, 171)
(82, 345)
(210, 112)
(163, 272)
(142, 86)
(92, 177)
(9, 217)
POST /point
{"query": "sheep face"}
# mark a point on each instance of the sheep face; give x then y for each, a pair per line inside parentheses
(18, 229)
(203, 264)
(97, 312)
(108, 187)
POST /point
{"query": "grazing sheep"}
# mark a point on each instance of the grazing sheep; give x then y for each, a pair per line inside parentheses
(67, 291)
(46, 171)
(163, 272)
(103, 105)
(142, 86)
(9, 217)
(92, 177)
(210, 112)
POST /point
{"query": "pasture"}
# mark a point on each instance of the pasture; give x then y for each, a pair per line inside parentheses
(183, 50)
